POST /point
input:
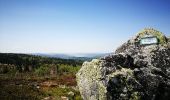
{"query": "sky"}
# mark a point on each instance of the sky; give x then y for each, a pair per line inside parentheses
(77, 26)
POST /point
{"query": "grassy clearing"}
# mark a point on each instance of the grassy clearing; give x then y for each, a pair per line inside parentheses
(25, 87)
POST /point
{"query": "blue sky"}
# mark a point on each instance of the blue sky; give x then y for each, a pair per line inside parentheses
(77, 26)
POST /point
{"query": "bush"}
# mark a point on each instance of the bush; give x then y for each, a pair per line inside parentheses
(68, 69)
(42, 70)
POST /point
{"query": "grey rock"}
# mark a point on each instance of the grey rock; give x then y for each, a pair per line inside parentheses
(133, 72)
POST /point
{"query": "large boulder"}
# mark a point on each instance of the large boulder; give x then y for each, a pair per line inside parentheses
(134, 72)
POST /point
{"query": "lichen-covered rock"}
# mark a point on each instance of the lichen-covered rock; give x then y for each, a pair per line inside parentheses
(89, 79)
(133, 72)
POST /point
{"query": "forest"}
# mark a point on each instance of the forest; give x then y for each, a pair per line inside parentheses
(24, 76)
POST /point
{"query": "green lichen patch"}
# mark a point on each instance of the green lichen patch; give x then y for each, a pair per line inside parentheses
(89, 77)
(102, 91)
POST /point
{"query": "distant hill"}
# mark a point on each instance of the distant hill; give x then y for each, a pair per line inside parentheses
(77, 56)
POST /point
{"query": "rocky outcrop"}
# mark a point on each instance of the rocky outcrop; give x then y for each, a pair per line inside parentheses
(133, 72)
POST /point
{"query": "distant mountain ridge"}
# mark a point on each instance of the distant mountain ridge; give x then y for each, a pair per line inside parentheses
(81, 56)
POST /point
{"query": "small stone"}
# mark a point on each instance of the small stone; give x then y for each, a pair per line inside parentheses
(64, 98)
(71, 93)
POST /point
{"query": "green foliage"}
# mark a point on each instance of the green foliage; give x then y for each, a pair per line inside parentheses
(19, 92)
(78, 97)
(68, 68)
(24, 62)
(33, 70)
(57, 92)
(40, 65)
(43, 70)
(6, 69)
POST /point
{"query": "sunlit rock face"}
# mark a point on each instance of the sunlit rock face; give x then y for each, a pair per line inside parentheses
(134, 72)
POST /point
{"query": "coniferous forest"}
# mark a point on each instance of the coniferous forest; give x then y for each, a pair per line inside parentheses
(24, 76)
